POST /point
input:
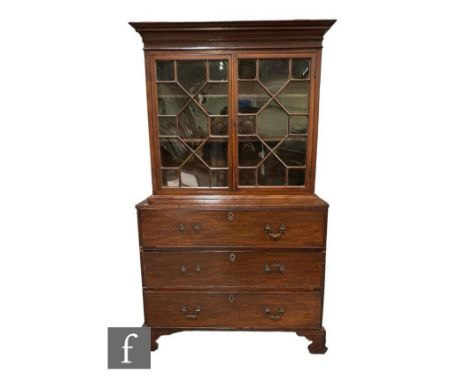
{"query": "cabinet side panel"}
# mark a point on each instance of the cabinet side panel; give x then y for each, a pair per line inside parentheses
(149, 73)
(314, 106)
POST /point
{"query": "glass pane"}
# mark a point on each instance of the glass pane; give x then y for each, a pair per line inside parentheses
(247, 177)
(296, 177)
(191, 75)
(246, 124)
(300, 68)
(271, 172)
(171, 98)
(167, 126)
(247, 69)
(298, 124)
(173, 152)
(219, 125)
(295, 97)
(218, 70)
(251, 151)
(251, 97)
(293, 151)
(214, 153)
(193, 122)
(194, 173)
(219, 178)
(170, 178)
(272, 121)
(274, 74)
(165, 70)
(214, 98)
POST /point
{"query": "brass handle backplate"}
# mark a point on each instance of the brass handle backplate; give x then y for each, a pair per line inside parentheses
(274, 267)
(274, 316)
(183, 269)
(196, 227)
(275, 236)
(187, 314)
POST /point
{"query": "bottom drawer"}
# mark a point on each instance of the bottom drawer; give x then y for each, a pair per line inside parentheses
(236, 310)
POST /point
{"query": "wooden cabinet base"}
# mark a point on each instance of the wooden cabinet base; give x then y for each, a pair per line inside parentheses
(317, 336)
(156, 333)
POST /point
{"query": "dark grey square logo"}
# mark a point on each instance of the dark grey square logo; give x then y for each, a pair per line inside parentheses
(128, 348)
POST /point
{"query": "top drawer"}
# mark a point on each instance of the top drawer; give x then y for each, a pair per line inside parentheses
(233, 228)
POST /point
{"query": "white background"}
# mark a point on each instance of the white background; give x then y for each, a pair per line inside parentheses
(392, 163)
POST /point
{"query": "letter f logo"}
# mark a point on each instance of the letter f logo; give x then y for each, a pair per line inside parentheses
(125, 347)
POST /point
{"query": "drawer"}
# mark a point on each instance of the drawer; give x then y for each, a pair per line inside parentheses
(236, 310)
(233, 269)
(233, 228)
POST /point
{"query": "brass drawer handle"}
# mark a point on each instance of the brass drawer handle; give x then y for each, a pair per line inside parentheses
(196, 227)
(274, 267)
(183, 269)
(275, 236)
(274, 316)
(187, 314)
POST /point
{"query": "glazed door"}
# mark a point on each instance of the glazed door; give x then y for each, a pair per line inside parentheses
(274, 120)
(233, 122)
(193, 122)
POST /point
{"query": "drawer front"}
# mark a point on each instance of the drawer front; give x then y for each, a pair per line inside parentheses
(234, 228)
(236, 310)
(233, 269)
